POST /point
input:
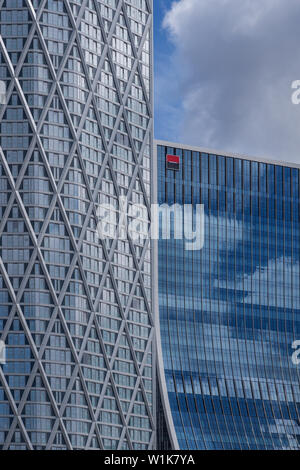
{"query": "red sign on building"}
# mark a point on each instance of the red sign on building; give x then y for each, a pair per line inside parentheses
(173, 162)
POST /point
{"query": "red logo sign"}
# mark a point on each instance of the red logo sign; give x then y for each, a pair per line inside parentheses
(173, 162)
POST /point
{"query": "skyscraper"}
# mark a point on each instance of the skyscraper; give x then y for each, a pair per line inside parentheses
(75, 311)
(230, 310)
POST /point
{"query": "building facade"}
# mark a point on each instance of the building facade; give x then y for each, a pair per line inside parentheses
(75, 310)
(230, 310)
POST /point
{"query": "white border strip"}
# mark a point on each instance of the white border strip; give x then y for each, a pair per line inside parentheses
(227, 154)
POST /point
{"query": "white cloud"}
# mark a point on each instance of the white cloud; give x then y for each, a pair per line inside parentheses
(264, 280)
(235, 61)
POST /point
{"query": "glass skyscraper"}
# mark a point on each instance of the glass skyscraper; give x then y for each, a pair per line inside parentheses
(230, 312)
(75, 311)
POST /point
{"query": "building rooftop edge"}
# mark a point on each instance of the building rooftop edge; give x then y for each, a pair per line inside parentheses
(195, 148)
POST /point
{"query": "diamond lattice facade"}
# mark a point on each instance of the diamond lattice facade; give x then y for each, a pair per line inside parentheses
(75, 313)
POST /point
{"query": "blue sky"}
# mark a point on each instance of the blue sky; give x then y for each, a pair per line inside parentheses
(166, 103)
(223, 75)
